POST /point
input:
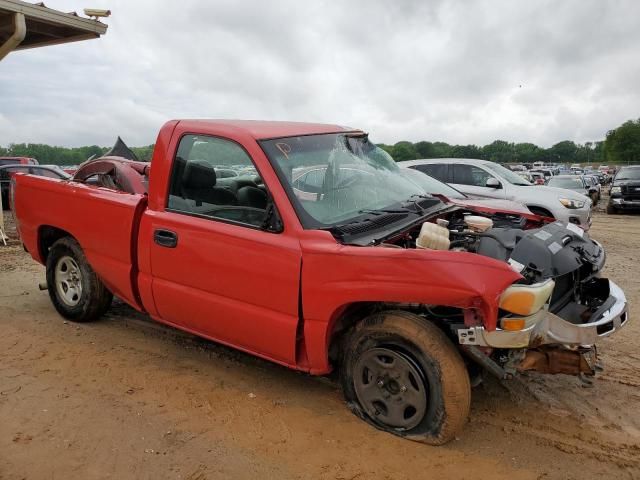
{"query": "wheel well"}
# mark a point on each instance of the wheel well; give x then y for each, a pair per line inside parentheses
(47, 236)
(348, 316)
(540, 211)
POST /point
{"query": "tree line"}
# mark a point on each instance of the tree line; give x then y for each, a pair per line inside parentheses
(621, 146)
(51, 155)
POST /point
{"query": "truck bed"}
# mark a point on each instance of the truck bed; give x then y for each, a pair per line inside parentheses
(103, 221)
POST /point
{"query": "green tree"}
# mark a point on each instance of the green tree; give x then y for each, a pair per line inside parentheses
(466, 151)
(622, 144)
(425, 149)
(565, 151)
(404, 151)
(500, 151)
(528, 153)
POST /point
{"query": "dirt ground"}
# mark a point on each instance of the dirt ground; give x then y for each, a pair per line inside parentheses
(126, 398)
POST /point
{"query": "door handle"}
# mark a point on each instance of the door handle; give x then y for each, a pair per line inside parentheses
(165, 238)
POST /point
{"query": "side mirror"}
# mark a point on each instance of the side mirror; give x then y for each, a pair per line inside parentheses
(272, 222)
(493, 183)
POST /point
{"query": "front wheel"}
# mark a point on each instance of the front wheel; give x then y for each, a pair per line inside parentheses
(611, 210)
(74, 288)
(401, 374)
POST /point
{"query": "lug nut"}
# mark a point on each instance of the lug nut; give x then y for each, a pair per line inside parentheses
(403, 389)
(380, 383)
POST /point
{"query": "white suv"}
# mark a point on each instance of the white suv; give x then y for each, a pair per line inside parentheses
(482, 178)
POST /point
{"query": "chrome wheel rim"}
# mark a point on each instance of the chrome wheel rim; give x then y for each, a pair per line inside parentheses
(391, 388)
(68, 281)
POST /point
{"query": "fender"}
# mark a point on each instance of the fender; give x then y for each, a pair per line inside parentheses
(335, 275)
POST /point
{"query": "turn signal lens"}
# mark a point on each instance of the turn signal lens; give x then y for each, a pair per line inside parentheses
(526, 299)
(512, 323)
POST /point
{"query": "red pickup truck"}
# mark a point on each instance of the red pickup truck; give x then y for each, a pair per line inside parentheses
(349, 266)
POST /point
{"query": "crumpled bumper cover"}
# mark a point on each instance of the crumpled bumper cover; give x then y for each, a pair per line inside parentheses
(545, 328)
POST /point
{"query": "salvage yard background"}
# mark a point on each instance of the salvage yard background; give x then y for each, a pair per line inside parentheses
(127, 397)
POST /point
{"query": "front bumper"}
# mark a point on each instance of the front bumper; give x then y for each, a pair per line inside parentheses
(545, 328)
(577, 216)
(620, 202)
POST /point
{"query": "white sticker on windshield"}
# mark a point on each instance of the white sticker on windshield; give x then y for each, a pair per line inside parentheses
(575, 229)
(515, 265)
(542, 235)
(555, 247)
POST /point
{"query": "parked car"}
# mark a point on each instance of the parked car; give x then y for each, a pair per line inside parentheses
(625, 190)
(545, 175)
(17, 161)
(6, 171)
(70, 169)
(404, 294)
(537, 178)
(500, 211)
(593, 182)
(601, 177)
(576, 183)
(483, 178)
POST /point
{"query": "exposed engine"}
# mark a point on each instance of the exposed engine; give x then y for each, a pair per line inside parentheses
(562, 252)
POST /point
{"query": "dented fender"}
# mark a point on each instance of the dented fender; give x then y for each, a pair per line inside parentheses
(336, 275)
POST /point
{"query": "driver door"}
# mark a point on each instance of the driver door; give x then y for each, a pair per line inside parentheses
(215, 270)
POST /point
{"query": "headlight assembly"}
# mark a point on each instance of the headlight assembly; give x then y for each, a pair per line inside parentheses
(615, 190)
(526, 299)
(570, 203)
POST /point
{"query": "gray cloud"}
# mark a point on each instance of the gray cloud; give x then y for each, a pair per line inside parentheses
(411, 70)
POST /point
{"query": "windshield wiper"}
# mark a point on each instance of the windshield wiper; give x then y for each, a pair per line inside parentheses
(415, 201)
(380, 211)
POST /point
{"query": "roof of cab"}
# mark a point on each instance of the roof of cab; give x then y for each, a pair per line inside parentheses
(263, 130)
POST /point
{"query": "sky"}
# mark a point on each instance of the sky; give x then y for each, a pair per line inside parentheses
(463, 72)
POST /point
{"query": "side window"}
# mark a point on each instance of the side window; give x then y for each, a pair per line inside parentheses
(470, 175)
(205, 182)
(436, 170)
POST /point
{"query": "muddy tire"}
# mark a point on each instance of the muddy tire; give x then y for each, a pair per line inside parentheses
(74, 288)
(611, 210)
(401, 374)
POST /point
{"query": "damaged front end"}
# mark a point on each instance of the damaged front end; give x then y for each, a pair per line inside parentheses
(551, 320)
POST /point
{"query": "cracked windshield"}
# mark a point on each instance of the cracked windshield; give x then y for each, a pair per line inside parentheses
(337, 177)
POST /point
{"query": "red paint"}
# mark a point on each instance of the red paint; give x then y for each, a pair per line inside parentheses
(243, 286)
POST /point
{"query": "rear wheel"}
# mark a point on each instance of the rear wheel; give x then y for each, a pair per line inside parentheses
(74, 288)
(401, 374)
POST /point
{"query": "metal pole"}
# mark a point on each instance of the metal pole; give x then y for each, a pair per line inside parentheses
(19, 32)
(3, 237)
